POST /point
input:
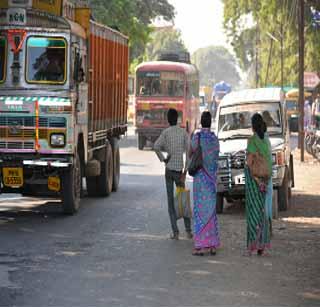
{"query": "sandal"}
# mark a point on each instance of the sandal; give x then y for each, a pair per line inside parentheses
(197, 252)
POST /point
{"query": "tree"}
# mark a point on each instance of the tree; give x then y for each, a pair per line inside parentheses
(273, 21)
(166, 39)
(215, 64)
(133, 18)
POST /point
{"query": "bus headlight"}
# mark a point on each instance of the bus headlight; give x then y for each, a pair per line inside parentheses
(57, 140)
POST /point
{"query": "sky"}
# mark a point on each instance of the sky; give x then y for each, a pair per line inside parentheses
(201, 22)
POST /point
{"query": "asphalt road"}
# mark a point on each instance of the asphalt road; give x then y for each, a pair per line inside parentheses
(116, 252)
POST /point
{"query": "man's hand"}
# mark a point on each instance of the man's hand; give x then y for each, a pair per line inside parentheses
(167, 159)
(183, 176)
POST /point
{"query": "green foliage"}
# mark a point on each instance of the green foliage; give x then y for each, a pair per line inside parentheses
(163, 40)
(215, 64)
(280, 19)
(133, 18)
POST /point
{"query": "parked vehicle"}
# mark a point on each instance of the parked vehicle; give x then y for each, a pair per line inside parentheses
(131, 102)
(205, 96)
(233, 128)
(63, 102)
(161, 85)
(292, 107)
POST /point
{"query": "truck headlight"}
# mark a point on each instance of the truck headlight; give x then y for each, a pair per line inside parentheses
(223, 163)
(57, 140)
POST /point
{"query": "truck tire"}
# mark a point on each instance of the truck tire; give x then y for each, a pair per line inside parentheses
(283, 193)
(105, 180)
(116, 164)
(71, 188)
(141, 141)
(219, 204)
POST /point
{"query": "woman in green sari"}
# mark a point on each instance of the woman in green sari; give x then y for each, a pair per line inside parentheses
(258, 221)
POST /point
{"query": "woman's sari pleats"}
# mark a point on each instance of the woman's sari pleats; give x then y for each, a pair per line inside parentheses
(206, 234)
(258, 228)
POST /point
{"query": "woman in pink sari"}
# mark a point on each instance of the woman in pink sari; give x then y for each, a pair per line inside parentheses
(206, 235)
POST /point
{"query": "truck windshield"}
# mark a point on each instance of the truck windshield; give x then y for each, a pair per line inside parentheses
(3, 58)
(237, 119)
(46, 60)
(160, 84)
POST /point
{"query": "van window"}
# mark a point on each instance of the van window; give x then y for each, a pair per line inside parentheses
(233, 118)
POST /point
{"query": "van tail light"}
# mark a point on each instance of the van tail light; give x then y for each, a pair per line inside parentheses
(280, 159)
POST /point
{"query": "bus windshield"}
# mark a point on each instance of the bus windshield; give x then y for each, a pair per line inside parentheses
(46, 60)
(162, 83)
(3, 58)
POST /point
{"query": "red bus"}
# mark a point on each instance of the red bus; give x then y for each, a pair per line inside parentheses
(162, 85)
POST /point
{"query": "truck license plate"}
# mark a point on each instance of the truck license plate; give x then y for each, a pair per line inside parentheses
(54, 184)
(240, 179)
(13, 177)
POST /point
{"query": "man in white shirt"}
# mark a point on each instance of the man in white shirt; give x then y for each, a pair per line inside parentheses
(175, 142)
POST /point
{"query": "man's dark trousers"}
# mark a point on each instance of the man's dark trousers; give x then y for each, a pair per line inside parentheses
(171, 178)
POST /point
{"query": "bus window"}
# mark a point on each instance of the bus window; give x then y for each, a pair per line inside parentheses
(160, 84)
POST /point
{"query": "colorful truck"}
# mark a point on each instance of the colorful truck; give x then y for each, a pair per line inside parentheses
(63, 101)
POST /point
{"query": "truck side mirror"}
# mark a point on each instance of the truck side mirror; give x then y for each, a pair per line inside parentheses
(78, 75)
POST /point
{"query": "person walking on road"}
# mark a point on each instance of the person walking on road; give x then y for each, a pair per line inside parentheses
(174, 141)
(257, 192)
(206, 234)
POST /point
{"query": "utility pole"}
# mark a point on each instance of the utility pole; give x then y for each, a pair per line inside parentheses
(301, 77)
(281, 46)
(257, 56)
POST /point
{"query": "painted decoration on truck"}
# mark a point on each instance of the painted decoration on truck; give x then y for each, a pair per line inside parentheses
(50, 6)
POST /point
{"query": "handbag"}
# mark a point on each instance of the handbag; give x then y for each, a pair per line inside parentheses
(196, 162)
(182, 203)
(259, 167)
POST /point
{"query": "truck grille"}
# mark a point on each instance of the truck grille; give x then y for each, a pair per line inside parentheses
(16, 145)
(44, 122)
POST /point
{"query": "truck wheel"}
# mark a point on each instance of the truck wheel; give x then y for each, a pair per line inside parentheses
(105, 180)
(71, 188)
(219, 204)
(141, 141)
(116, 164)
(283, 193)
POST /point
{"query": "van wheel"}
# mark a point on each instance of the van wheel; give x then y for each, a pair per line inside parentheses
(116, 164)
(283, 193)
(141, 141)
(219, 204)
(71, 188)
